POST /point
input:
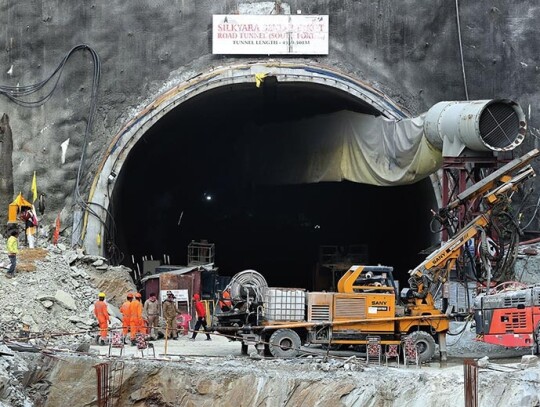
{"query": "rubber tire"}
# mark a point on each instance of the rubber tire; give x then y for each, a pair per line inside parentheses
(425, 344)
(284, 343)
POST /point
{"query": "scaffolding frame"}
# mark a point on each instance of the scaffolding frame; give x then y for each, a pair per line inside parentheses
(200, 253)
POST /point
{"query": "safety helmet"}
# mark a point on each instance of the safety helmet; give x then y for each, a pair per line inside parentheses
(101, 295)
(196, 297)
(130, 295)
(138, 295)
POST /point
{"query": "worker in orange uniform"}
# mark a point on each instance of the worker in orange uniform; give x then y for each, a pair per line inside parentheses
(135, 316)
(201, 318)
(141, 323)
(102, 315)
(126, 320)
(225, 303)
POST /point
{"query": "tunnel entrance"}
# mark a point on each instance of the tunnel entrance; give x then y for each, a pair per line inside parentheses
(189, 177)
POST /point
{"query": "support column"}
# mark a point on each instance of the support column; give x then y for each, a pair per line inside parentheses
(442, 346)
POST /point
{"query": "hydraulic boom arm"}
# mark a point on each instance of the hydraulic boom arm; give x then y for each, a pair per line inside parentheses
(493, 189)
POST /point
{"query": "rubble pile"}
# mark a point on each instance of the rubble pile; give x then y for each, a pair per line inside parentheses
(13, 368)
(53, 292)
(49, 303)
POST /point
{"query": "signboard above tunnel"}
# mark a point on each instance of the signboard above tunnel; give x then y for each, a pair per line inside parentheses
(270, 34)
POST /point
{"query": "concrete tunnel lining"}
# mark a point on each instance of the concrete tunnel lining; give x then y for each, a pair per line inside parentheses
(128, 137)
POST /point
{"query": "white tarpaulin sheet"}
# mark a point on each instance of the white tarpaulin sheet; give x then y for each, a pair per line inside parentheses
(343, 146)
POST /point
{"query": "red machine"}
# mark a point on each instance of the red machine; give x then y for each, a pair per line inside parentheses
(509, 318)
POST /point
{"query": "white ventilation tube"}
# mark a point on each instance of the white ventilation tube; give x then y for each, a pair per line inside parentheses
(481, 125)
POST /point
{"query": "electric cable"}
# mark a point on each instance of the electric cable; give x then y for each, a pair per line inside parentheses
(19, 95)
(533, 217)
(465, 285)
(507, 230)
(476, 275)
(524, 200)
(432, 228)
(460, 333)
(114, 254)
(461, 51)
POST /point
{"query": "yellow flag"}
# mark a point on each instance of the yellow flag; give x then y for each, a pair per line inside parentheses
(34, 188)
(259, 78)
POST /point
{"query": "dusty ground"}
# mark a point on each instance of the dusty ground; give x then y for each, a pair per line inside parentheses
(459, 347)
(218, 346)
(27, 259)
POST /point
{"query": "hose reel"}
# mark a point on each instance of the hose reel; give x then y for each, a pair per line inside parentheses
(248, 284)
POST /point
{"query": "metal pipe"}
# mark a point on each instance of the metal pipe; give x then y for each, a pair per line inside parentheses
(535, 240)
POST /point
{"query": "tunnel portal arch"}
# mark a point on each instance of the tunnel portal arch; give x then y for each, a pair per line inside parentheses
(239, 74)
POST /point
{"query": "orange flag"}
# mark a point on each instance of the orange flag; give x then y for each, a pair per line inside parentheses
(56, 233)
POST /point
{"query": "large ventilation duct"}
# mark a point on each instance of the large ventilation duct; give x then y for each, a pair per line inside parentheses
(481, 125)
(368, 149)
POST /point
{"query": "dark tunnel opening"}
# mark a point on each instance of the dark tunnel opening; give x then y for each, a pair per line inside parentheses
(187, 179)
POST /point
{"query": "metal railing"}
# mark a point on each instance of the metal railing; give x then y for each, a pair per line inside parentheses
(109, 382)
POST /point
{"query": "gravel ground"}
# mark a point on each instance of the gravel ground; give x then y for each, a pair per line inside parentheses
(465, 345)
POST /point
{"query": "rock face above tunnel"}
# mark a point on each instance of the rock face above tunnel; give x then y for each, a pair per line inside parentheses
(409, 50)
